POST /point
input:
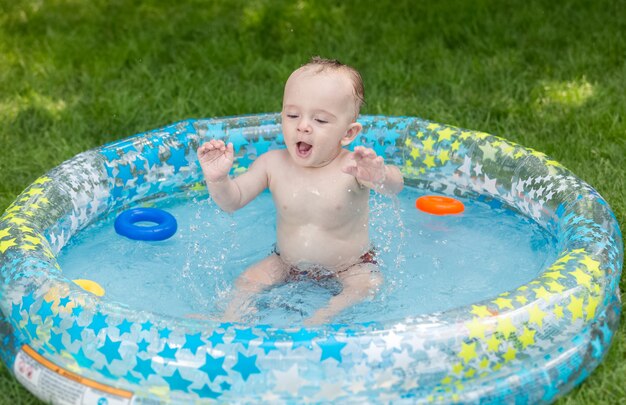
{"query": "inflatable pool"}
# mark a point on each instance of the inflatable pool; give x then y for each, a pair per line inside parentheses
(531, 343)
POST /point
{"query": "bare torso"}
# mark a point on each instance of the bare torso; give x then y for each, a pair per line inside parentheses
(322, 213)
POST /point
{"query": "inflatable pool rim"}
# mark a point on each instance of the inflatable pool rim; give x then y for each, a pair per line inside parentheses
(532, 343)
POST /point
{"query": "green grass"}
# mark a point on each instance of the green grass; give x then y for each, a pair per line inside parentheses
(548, 75)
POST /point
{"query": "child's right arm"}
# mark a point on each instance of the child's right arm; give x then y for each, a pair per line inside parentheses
(216, 160)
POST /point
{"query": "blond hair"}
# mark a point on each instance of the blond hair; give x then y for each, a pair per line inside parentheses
(322, 64)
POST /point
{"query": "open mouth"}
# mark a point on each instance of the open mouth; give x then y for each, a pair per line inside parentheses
(303, 149)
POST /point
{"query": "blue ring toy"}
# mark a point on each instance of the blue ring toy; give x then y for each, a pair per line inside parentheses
(165, 224)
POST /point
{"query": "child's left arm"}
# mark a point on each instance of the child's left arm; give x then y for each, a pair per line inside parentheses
(371, 171)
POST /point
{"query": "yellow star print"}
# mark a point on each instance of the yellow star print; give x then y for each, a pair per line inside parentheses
(198, 187)
(12, 208)
(555, 287)
(553, 163)
(17, 221)
(5, 244)
(592, 304)
(556, 267)
(576, 307)
(521, 299)
(507, 148)
(565, 258)
(428, 144)
(503, 303)
(484, 363)
(527, 337)
(476, 328)
(42, 180)
(445, 134)
(536, 315)
(519, 154)
(541, 292)
(33, 240)
(553, 274)
(592, 265)
(34, 191)
(444, 156)
(480, 310)
(582, 278)
(505, 326)
(558, 311)
(509, 355)
(4, 232)
(430, 161)
(538, 154)
(468, 351)
(493, 343)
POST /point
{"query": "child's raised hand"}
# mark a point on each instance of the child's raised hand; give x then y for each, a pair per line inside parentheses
(216, 159)
(368, 167)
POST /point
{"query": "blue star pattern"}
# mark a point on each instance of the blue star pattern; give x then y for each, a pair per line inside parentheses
(124, 326)
(124, 173)
(111, 350)
(56, 341)
(82, 359)
(168, 352)
(16, 312)
(28, 301)
(331, 348)
(216, 338)
(131, 378)
(178, 159)
(144, 367)
(268, 345)
(45, 310)
(142, 346)
(246, 365)
(302, 338)
(364, 362)
(165, 333)
(98, 322)
(206, 392)
(244, 336)
(213, 367)
(75, 332)
(177, 382)
(31, 329)
(193, 342)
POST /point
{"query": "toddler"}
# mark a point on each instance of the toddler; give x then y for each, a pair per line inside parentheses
(320, 189)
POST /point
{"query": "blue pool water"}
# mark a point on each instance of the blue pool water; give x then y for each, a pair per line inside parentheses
(430, 263)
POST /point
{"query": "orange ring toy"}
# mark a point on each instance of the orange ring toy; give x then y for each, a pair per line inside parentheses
(439, 205)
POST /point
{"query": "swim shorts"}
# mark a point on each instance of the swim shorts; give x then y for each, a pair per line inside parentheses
(318, 273)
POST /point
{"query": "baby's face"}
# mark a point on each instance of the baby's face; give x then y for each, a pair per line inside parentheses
(319, 112)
